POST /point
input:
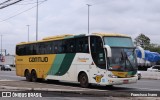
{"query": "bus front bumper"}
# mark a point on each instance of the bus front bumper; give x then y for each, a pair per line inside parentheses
(118, 81)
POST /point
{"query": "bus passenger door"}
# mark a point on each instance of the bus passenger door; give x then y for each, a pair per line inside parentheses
(99, 62)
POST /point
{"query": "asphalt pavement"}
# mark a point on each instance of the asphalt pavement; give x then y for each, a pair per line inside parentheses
(143, 84)
(9, 81)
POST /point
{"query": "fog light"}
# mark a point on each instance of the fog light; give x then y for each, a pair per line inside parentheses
(110, 81)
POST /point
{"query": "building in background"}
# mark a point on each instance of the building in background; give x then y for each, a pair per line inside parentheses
(7, 60)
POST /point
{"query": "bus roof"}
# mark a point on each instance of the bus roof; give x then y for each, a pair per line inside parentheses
(64, 36)
(110, 34)
(57, 37)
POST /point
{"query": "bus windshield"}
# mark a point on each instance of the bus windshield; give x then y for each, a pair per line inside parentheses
(123, 54)
(123, 59)
(118, 41)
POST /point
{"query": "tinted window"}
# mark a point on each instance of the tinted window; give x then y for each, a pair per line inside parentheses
(55, 47)
(118, 41)
(82, 45)
(20, 50)
(68, 46)
(97, 52)
(48, 48)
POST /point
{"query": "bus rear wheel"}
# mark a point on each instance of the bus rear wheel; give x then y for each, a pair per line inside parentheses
(83, 79)
(27, 75)
(34, 76)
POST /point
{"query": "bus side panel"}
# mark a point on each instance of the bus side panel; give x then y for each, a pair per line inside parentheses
(86, 64)
(62, 68)
(41, 66)
(71, 65)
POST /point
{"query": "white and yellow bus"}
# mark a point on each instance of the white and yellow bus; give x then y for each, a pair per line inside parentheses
(98, 58)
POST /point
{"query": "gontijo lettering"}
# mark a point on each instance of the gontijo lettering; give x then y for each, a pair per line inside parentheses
(38, 59)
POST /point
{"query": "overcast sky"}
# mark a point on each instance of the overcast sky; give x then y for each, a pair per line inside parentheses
(130, 17)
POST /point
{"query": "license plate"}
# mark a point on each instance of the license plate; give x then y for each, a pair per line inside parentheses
(125, 81)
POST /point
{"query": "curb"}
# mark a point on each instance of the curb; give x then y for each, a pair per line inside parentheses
(44, 89)
(65, 91)
(150, 78)
(15, 88)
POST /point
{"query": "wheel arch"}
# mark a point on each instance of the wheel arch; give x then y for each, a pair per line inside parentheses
(80, 72)
(33, 70)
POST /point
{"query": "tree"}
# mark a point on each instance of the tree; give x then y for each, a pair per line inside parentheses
(142, 41)
(153, 47)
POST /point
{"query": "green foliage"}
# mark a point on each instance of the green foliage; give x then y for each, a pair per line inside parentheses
(154, 48)
(144, 42)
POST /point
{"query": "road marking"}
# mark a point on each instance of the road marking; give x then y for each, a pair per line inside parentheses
(9, 76)
(6, 80)
(142, 88)
(148, 89)
(45, 89)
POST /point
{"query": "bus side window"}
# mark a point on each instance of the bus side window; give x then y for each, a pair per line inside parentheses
(52, 46)
(71, 46)
(59, 46)
(41, 48)
(34, 52)
(64, 46)
(20, 50)
(27, 50)
(86, 47)
(55, 49)
(82, 45)
(47, 48)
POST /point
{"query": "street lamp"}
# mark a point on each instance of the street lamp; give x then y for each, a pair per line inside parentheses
(37, 22)
(88, 16)
(1, 45)
(28, 32)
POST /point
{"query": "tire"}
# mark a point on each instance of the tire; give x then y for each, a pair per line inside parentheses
(28, 75)
(139, 77)
(34, 76)
(53, 81)
(109, 86)
(83, 79)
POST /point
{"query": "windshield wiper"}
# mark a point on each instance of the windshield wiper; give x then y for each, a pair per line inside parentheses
(126, 59)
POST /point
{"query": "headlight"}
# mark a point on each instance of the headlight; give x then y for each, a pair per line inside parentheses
(112, 76)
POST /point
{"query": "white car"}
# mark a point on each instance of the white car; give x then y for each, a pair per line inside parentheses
(155, 68)
(6, 68)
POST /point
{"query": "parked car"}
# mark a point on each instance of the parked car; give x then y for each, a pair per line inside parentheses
(6, 67)
(139, 75)
(155, 68)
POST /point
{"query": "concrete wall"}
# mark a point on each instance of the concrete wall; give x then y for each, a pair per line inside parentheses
(150, 75)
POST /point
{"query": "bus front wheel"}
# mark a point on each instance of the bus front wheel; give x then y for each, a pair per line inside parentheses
(34, 76)
(83, 79)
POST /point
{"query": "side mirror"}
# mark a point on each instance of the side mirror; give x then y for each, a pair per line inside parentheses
(109, 51)
(142, 51)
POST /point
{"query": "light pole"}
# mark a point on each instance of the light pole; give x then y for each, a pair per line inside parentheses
(37, 22)
(28, 32)
(88, 16)
(1, 45)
